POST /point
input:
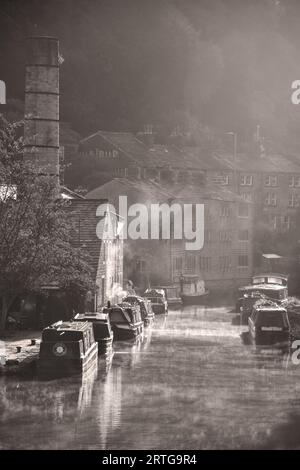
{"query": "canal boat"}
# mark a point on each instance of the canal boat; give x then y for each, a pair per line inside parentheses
(259, 280)
(102, 330)
(172, 295)
(268, 323)
(248, 295)
(67, 348)
(145, 307)
(126, 321)
(158, 300)
(193, 290)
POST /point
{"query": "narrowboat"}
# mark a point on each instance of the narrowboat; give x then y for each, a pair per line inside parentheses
(67, 348)
(158, 300)
(193, 290)
(269, 323)
(249, 295)
(145, 307)
(172, 295)
(126, 321)
(102, 330)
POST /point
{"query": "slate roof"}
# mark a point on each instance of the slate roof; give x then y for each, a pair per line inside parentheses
(147, 191)
(188, 157)
(273, 163)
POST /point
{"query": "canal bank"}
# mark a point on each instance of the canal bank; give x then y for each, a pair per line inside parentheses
(19, 352)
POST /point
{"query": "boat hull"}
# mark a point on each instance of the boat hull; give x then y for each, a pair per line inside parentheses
(49, 367)
(127, 332)
(196, 299)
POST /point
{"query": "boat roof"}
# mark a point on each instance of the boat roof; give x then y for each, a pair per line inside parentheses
(270, 274)
(267, 308)
(69, 326)
(66, 331)
(88, 316)
(154, 292)
(263, 287)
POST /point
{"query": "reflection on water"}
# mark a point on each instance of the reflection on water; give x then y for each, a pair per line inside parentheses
(192, 382)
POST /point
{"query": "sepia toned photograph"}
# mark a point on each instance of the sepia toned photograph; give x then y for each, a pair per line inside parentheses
(149, 227)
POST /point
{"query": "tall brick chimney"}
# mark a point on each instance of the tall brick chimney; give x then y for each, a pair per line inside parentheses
(41, 129)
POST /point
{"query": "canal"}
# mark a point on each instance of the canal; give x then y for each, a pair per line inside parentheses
(192, 383)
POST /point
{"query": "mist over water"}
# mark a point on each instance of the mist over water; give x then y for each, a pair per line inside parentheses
(190, 383)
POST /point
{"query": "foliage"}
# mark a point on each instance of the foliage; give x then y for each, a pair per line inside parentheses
(35, 231)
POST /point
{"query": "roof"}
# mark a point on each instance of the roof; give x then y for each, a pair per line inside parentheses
(273, 163)
(83, 213)
(149, 191)
(136, 190)
(190, 157)
(158, 156)
(92, 316)
(263, 287)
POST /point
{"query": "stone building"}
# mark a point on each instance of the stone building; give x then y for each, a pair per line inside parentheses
(225, 260)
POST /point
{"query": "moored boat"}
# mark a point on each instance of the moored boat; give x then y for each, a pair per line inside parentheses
(67, 348)
(249, 295)
(158, 300)
(145, 307)
(193, 290)
(125, 320)
(102, 330)
(172, 295)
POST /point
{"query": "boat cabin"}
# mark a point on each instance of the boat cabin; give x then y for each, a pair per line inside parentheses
(67, 348)
(158, 300)
(145, 307)
(270, 278)
(126, 320)
(101, 326)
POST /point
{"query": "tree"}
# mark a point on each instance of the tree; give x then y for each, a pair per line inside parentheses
(35, 229)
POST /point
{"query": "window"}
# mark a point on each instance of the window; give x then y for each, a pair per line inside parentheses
(271, 199)
(115, 153)
(243, 210)
(246, 196)
(141, 265)
(293, 200)
(271, 180)
(178, 263)
(225, 211)
(224, 263)
(190, 262)
(204, 263)
(285, 223)
(242, 261)
(294, 181)
(221, 178)
(224, 236)
(243, 235)
(273, 221)
(246, 180)
(207, 236)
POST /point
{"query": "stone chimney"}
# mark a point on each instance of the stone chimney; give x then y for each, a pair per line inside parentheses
(41, 129)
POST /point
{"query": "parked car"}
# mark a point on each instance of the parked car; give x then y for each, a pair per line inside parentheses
(269, 324)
